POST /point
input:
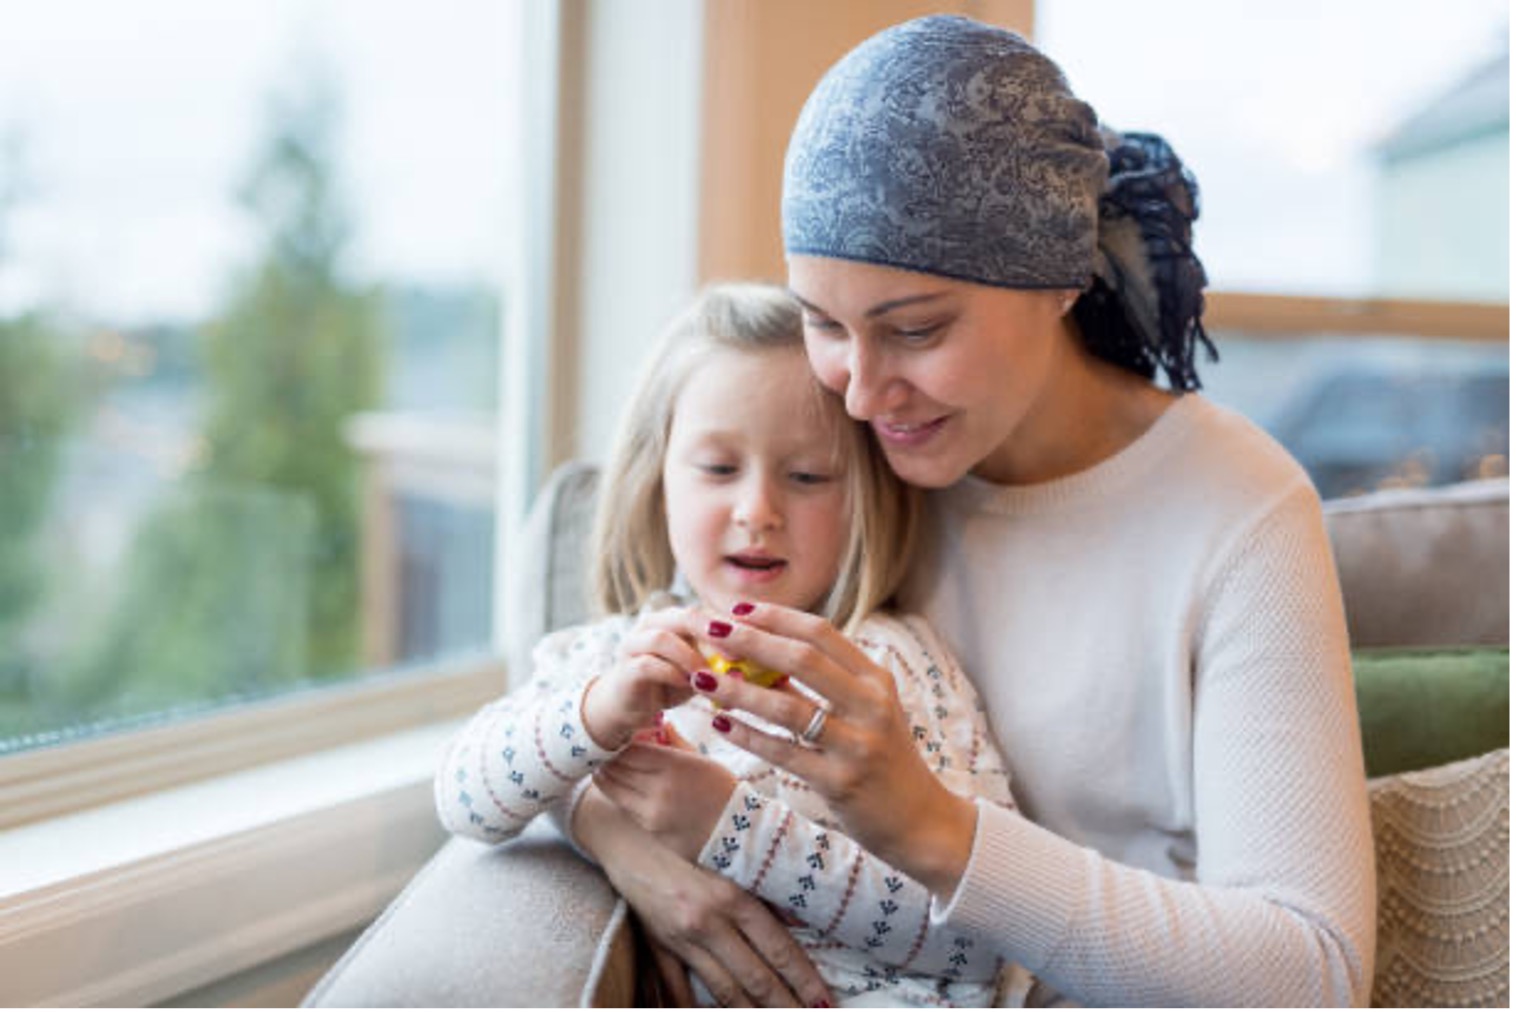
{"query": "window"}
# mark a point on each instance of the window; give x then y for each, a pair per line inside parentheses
(251, 276)
(1347, 154)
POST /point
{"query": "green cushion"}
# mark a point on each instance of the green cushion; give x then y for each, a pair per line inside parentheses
(1425, 707)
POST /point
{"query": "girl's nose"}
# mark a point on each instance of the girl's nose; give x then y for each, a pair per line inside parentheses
(757, 508)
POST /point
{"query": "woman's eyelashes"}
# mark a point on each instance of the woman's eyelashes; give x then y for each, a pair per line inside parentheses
(918, 333)
(822, 325)
(910, 333)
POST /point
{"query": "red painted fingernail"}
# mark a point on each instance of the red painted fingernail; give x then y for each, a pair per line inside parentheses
(781, 681)
(719, 630)
(704, 681)
(742, 608)
(721, 723)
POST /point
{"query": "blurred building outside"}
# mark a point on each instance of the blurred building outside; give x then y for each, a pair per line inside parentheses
(428, 533)
(1442, 200)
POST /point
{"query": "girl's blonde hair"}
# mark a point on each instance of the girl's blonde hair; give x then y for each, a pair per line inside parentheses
(630, 555)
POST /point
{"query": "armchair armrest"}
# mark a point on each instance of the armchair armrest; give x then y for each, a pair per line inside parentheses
(526, 924)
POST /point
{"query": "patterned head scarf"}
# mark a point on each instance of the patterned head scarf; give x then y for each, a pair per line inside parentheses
(955, 148)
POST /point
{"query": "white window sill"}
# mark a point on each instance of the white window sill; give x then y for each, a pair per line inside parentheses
(135, 902)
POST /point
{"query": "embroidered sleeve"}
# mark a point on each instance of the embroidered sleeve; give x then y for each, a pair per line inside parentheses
(525, 753)
(823, 878)
(947, 716)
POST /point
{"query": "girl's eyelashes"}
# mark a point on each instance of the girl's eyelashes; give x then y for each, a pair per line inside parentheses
(799, 476)
(821, 323)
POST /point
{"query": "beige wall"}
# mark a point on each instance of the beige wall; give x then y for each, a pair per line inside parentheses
(762, 57)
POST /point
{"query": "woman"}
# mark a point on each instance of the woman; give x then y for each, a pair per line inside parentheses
(1139, 582)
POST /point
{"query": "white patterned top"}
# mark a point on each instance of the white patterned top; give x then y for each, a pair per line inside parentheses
(867, 926)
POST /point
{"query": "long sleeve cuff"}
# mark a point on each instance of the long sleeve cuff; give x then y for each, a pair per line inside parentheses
(1021, 887)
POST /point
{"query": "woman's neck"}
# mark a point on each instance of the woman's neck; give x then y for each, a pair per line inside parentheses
(1090, 410)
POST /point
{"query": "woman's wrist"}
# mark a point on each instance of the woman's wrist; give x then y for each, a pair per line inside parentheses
(935, 850)
(590, 822)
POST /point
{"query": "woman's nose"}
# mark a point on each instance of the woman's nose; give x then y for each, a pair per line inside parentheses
(869, 387)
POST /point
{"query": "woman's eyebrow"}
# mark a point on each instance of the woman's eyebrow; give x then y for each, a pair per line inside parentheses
(881, 308)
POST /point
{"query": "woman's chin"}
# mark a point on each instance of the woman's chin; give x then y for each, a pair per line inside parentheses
(925, 470)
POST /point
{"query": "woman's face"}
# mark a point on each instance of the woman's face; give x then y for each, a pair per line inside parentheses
(952, 376)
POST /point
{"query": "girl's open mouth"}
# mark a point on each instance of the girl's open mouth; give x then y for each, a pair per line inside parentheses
(756, 568)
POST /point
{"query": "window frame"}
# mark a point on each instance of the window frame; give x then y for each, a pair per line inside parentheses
(1284, 315)
(52, 781)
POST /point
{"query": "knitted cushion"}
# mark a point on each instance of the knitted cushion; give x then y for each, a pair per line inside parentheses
(1441, 842)
(1424, 707)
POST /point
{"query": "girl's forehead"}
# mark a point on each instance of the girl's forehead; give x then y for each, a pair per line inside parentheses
(767, 392)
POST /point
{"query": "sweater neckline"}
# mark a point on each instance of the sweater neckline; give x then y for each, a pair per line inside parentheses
(1094, 483)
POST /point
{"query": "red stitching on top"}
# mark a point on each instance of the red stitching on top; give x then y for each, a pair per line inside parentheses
(485, 780)
(542, 753)
(847, 895)
(795, 784)
(926, 921)
(768, 861)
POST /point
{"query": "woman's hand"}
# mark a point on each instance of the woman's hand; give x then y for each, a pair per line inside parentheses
(668, 789)
(651, 674)
(862, 760)
(698, 919)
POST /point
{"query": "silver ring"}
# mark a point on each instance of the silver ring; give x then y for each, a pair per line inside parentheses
(818, 722)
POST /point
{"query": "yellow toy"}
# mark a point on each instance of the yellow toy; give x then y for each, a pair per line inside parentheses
(749, 671)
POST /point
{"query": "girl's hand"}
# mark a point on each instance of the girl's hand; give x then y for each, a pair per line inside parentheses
(668, 789)
(863, 760)
(651, 675)
(697, 919)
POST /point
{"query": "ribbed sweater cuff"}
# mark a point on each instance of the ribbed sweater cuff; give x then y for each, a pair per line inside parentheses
(1021, 888)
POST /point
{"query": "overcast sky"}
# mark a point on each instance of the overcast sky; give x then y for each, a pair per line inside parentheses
(137, 119)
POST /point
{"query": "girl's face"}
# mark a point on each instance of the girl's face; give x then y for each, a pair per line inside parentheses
(754, 493)
(954, 377)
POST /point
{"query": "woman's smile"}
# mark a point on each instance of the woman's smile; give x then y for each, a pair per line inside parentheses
(909, 435)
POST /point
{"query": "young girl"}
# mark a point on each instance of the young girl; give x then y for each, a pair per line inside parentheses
(738, 478)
